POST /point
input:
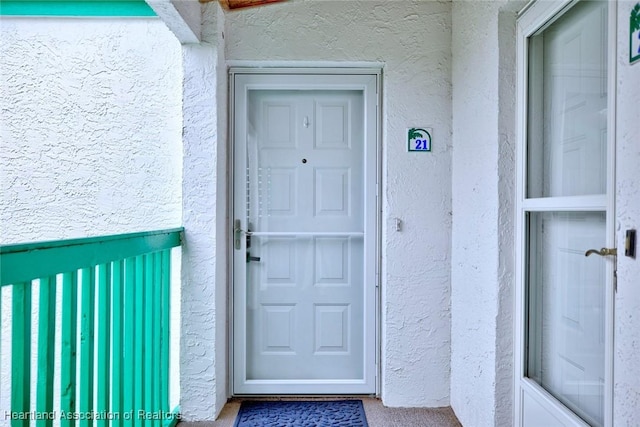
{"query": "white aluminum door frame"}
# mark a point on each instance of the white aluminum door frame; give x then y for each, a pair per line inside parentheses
(367, 80)
(533, 18)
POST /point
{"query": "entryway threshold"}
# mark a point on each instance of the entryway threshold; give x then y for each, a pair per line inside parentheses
(377, 414)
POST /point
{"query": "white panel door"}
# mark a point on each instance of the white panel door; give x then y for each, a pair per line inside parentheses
(303, 312)
(565, 208)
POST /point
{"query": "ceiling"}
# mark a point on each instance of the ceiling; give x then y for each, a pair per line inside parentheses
(240, 4)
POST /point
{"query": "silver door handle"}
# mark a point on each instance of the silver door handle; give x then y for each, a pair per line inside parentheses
(602, 252)
(238, 232)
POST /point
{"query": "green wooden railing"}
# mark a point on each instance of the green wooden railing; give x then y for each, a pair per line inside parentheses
(114, 334)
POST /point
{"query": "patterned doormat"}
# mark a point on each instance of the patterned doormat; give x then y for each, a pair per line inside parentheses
(325, 413)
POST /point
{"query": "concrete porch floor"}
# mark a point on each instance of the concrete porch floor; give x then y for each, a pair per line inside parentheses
(377, 416)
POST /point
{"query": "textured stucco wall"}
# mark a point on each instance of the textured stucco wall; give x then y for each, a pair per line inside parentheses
(204, 287)
(483, 211)
(626, 411)
(474, 252)
(90, 133)
(413, 40)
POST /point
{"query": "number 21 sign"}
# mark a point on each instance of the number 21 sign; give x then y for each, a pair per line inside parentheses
(419, 139)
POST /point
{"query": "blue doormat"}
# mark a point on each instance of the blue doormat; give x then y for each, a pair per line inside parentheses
(325, 413)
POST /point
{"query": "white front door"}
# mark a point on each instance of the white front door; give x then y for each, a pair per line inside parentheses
(305, 228)
(565, 297)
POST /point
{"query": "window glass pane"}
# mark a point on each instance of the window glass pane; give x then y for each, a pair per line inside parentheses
(567, 119)
(566, 295)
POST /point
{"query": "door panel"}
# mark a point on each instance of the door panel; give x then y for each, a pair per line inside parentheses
(568, 98)
(566, 309)
(305, 315)
(303, 304)
(565, 209)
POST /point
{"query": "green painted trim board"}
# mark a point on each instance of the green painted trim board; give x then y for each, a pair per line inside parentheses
(77, 8)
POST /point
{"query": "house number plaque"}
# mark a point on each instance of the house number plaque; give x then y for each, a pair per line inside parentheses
(419, 139)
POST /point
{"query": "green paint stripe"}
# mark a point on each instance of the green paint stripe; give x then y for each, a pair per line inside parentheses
(68, 351)
(103, 342)
(21, 353)
(25, 262)
(46, 349)
(86, 344)
(77, 8)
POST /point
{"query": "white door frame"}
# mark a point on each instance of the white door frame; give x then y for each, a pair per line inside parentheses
(372, 100)
(532, 18)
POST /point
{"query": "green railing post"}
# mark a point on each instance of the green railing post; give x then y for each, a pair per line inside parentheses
(46, 350)
(118, 341)
(165, 313)
(103, 342)
(68, 350)
(21, 354)
(157, 331)
(87, 344)
(115, 320)
(138, 398)
(148, 337)
(129, 362)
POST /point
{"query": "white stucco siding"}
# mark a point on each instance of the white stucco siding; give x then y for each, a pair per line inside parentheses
(412, 40)
(203, 370)
(627, 311)
(91, 124)
(475, 209)
(90, 138)
(483, 235)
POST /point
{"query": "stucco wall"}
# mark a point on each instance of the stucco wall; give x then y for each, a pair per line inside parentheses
(626, 411)
(91, 123)
(89, 136)
(412, 40)
(204, 288)
(475, 222)
(484, 47)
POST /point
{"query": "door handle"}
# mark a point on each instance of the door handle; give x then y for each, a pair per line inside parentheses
(252, 258)
(237, 234)
(602, 252)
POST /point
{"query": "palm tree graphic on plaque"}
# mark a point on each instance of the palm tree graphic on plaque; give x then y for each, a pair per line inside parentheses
(419, 139)
(634, 34)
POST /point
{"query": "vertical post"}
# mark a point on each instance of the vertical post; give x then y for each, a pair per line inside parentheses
(87, 343)
(68, 350)
(129, 340)
(103, 344)
(148, 336)
(165, 313)
(117, 378)
(157, 331)
(46, 350)
(139, 328)
(21, 352)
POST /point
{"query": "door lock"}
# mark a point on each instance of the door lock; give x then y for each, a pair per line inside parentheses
(237, 234)
(252, 258)
(602, 252)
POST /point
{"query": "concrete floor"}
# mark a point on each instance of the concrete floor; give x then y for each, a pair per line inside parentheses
(377, 416)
